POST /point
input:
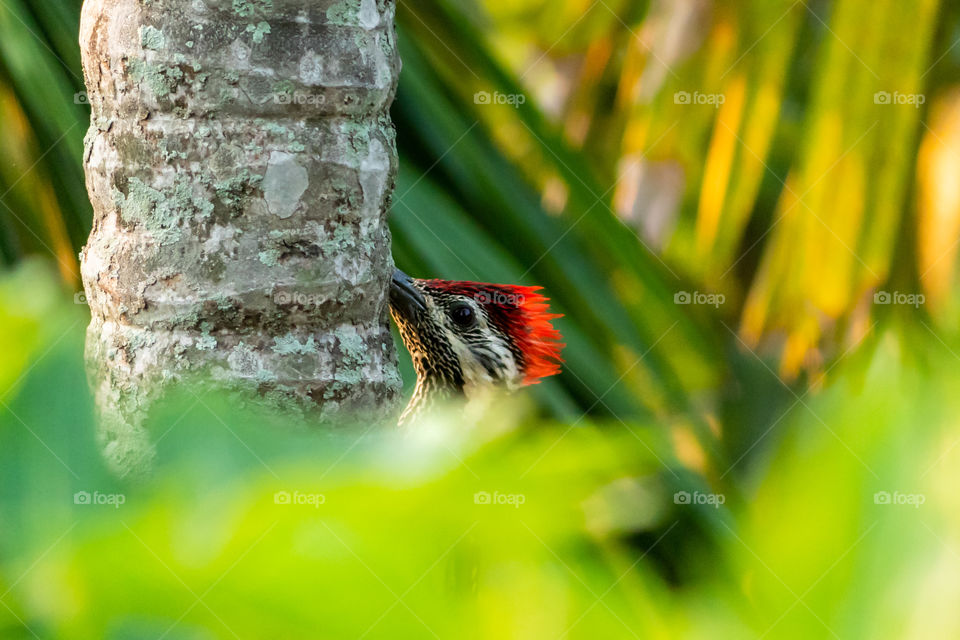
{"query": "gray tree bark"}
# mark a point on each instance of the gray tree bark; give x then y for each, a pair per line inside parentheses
(240, 162)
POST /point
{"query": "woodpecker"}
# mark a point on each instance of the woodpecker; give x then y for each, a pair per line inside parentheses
(465, 337)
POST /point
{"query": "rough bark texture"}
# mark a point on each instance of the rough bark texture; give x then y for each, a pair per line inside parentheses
(240, 160)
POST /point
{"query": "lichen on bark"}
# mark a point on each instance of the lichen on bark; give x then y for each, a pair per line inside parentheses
(240, 162)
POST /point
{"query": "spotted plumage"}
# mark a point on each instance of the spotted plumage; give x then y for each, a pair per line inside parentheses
(465, 337)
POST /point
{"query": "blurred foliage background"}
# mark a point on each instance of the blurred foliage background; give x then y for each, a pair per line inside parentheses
(729, 201)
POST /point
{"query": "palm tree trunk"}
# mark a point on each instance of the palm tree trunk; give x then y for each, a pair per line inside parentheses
(240, 162)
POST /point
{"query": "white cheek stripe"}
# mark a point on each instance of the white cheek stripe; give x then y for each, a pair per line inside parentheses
(475, 375)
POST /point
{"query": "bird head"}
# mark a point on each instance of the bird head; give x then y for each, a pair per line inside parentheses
(467, 335)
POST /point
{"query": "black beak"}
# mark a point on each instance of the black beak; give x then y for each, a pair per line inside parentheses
(405, 298)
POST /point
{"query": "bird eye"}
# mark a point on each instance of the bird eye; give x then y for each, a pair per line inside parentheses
(463, 316)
